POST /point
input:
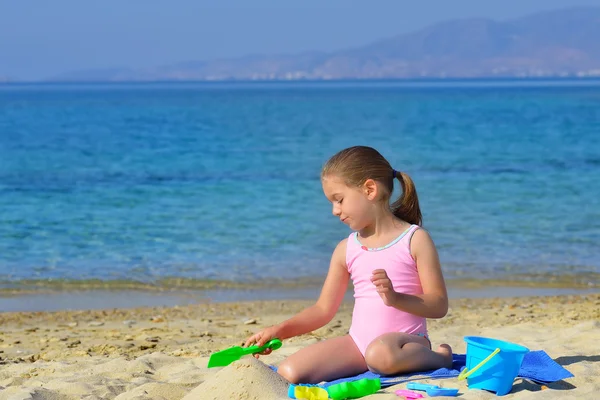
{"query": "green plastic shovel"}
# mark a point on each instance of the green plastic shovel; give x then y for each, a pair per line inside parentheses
(226, 357)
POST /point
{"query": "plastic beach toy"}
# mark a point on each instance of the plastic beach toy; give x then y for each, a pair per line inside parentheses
(409, 394)
(433, 390)
(465, 373)
(354, 389)
(307, 392)
(492, 364)
(226, 357)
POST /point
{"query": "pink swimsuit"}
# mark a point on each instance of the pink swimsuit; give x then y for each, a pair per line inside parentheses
(371, 317)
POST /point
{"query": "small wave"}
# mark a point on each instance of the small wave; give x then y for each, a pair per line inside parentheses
(171, 284)
(25, 286)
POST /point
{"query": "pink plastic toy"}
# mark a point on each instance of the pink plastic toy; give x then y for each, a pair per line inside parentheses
(409, 394)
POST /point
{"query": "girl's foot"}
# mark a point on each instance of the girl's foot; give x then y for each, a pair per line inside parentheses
(446, 352)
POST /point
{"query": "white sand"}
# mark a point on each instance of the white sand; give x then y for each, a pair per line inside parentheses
(573, 342)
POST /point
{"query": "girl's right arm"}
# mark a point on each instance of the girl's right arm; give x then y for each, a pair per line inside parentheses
(320, 313)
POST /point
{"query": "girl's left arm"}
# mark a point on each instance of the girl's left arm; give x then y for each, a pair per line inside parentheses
(433, 303)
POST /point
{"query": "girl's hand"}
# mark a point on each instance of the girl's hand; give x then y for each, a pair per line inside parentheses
(384, 286)
(261, 338)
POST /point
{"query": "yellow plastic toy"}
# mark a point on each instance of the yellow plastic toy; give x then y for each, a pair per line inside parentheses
(309, 392)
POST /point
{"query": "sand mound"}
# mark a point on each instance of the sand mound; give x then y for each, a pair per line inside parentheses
(248, 379)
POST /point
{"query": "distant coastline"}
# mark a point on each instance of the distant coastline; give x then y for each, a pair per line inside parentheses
(560, 43)
(468, 81)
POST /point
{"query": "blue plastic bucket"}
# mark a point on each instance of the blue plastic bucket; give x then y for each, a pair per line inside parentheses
(498, 373)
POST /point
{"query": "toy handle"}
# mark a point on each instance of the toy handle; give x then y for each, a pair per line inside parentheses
(466, 373)
(273, 344)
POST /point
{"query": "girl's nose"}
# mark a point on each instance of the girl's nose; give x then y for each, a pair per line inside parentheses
(336, 211)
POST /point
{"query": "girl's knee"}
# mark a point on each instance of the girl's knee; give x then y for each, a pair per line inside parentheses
(289, 372)
(380, 358)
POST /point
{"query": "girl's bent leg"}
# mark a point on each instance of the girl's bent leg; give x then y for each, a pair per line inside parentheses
(394, 353)
(324, 361)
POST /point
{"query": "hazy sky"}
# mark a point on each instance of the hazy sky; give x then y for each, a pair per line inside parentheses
(41, 38)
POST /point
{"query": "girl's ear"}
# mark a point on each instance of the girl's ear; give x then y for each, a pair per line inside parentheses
(370, 189)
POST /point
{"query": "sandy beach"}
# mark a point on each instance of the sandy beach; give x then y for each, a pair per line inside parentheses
(162, 352)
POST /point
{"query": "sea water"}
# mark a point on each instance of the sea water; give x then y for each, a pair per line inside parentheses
(210, 182)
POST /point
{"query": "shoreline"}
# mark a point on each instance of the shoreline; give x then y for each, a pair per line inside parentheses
(162, 352)
(99, 300)
(51, 299)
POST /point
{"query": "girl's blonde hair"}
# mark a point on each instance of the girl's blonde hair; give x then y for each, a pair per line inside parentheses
(355, 165)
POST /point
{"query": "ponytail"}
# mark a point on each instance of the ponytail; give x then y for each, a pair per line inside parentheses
(407, 206)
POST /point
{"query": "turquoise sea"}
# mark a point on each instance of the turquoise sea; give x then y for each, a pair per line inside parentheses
(211, 182)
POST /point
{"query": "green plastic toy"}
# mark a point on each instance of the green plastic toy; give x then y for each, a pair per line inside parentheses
(354, 389)
(226, 357)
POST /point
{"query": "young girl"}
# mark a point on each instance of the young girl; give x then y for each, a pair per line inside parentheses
(396, 273)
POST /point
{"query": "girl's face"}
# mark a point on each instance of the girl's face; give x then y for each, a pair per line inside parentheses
(352, 205)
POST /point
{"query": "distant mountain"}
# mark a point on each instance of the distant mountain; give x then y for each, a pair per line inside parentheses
(563, 42)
